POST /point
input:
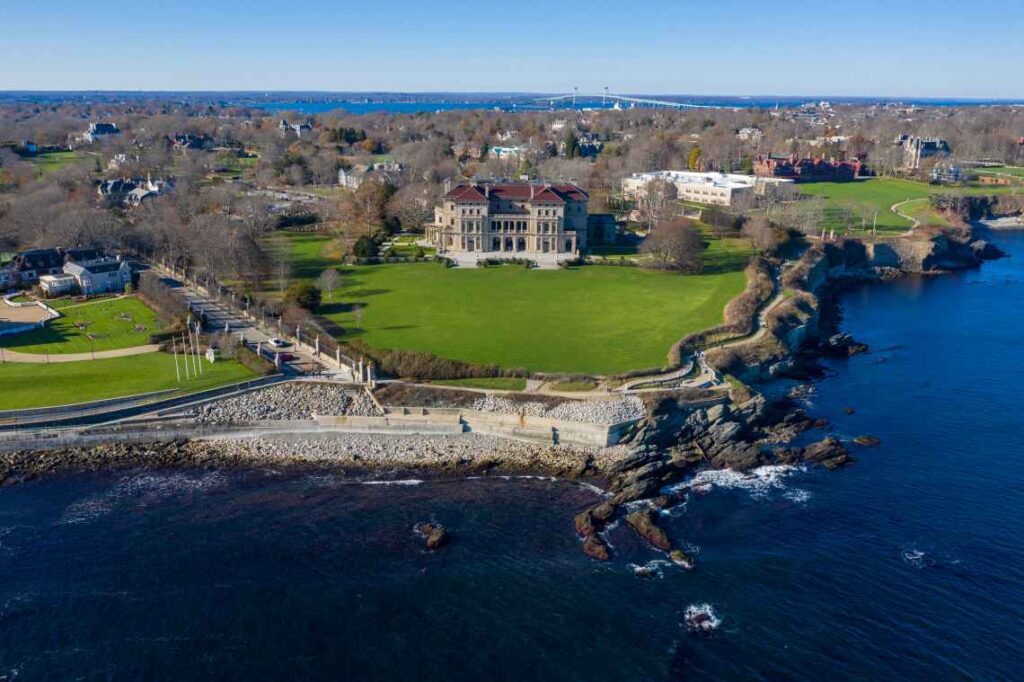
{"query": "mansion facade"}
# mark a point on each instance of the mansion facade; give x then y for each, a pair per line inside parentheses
(511, 220)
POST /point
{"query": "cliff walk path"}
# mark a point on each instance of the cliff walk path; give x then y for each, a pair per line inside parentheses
(7, 355)
(705, 375)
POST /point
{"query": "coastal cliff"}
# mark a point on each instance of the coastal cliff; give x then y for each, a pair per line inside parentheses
(805, 325)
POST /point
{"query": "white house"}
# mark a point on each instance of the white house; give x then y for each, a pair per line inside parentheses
(352, 178)
(506, 152)
(100, 276)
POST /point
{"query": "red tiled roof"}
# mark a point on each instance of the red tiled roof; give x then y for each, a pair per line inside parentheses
(469, 193)
(549, 193)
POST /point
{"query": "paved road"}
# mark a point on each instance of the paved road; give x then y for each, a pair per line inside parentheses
(8, 355)
(218, 316)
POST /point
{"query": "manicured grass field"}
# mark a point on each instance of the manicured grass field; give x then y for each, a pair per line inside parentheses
(593, 319)
(42, 385)
(113, 323)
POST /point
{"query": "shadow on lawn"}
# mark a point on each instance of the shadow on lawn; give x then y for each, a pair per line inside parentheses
(36, 337)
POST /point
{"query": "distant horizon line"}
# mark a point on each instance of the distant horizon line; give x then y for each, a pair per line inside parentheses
(499, 93)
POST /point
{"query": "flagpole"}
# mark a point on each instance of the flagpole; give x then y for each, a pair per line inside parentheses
(183, 347)
(174, 350)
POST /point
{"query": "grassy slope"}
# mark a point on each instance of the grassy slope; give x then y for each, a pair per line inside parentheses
(104, 320)
(34, 385)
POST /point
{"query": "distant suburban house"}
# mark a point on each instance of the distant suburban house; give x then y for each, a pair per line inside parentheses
(95, 132)
(120, 160)
(587, 148)
(806, 170)
(184, 141)
(133, 191)
(285, 128)
(750, 134)
(506, 152)
(30, 265)
(915, 149)
(100, 276)
(353, 178)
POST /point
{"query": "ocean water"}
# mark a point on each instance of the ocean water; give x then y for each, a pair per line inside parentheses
(319, 105)
(907, 565)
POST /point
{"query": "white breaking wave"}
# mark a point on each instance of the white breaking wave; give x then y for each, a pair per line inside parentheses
(701, 618)
(759, 482)
(651, 569)
(404, 481)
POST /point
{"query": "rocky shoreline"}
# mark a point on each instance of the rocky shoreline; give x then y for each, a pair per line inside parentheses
(673, 440)
(361, 454)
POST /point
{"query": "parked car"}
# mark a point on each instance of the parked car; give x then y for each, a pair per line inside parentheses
(278, 343)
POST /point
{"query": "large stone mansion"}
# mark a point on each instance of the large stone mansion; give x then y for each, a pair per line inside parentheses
(511, 220)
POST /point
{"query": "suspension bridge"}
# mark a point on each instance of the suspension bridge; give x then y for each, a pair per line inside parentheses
(618, 101)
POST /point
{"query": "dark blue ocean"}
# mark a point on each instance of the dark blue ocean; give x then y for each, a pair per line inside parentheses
(907, 565)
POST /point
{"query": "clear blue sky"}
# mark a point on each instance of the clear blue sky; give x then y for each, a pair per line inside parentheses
(936, 48)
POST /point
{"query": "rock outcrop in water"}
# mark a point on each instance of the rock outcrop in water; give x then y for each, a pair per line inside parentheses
(434, 534)
(645, 523)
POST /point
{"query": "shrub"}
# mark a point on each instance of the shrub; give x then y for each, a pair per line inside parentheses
(365, 247)
(303, 295)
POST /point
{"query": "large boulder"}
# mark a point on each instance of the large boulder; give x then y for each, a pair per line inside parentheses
(829, 452)
(645, 523)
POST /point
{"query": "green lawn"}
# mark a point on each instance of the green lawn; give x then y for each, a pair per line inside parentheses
(922, 210)
(113, 323)
(496, 383)
(42, 385)
(875, 194)
(50, 162)
(594, 319)
(880, 194)
(1015, 171)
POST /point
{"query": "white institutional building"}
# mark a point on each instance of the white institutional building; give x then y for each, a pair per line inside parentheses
(705, 188)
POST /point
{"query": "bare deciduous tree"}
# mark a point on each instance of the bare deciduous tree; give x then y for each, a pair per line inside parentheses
(674, 245)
